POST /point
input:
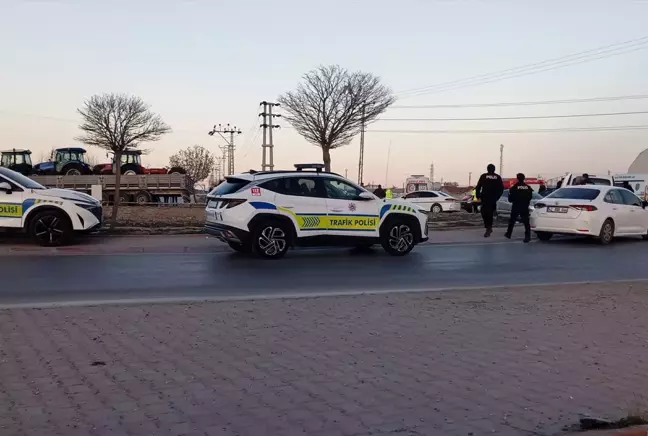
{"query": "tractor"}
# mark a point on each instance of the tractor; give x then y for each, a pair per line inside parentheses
(17, 160)
(68, 161)
(131, 164)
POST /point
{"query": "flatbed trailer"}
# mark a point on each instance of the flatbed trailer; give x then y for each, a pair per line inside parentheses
(139, 189)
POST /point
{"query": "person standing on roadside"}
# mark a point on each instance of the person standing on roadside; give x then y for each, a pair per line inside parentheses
(627, 185)
(489, 189)
(520, 196)
(379, 192)
(388, 194)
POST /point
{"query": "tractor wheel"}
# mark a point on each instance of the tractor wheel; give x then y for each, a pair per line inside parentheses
(72, 170)
(130, 170)
(177, 170)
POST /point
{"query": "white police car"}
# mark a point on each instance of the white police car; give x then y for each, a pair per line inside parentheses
(267, 212)
(49, 216)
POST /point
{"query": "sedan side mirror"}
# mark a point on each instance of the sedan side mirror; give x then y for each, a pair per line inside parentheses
(6, 187)
(366, 196)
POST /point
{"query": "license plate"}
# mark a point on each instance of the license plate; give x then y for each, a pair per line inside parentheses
(553, 209)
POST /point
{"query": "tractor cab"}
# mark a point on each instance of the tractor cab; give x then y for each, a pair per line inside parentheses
(130, 164)
(17, 160)
(69, 161)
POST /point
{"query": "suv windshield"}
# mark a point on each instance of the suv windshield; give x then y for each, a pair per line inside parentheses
(19, 179)
(575, 193)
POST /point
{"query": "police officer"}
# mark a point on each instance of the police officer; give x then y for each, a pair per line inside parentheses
(388, 194)
(489, 189)
(379, 192)
(520, 196)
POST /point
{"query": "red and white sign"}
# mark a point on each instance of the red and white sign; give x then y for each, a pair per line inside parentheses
(256, 190)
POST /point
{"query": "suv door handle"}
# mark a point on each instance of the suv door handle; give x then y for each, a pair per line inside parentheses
(336, 210)
(288, 207)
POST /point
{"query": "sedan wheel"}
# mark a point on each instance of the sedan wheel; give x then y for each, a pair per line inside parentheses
(607, 232)
(50, 229)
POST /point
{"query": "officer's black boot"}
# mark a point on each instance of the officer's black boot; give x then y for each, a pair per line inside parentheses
(527, 238)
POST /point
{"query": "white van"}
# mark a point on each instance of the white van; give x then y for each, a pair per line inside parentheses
(637, 183)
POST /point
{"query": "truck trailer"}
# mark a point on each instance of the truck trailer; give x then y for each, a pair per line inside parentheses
(137, 189)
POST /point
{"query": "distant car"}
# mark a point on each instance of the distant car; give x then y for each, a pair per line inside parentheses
(602, 212)
(503, 207)
(434, 201)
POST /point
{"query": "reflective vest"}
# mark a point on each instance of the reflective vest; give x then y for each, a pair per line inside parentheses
(474, 195)
(388, 193)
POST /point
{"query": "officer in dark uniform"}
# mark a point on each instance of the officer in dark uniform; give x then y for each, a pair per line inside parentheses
(489, 189)
(520, 196)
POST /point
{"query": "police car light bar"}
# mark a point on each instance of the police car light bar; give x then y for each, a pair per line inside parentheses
(309, 166)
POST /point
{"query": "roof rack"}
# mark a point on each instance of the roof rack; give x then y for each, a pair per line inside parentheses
(309, 166)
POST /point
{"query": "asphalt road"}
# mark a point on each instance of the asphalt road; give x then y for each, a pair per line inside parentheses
(80, 278)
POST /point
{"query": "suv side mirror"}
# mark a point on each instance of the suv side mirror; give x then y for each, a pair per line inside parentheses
(365, 196)
(4, 186)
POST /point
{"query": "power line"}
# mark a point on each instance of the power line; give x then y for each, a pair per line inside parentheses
(524, 103)
(565, 129)
(532, 117)
(533, 68)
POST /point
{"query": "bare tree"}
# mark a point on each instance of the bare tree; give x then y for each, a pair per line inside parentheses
(116, 122)
(197, 161)
(329, 107)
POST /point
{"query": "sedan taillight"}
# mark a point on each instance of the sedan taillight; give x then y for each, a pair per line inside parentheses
(539, 205)
(584, 207)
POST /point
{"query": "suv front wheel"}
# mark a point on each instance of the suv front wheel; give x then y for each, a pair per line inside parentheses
(397, 237)
(271, 239)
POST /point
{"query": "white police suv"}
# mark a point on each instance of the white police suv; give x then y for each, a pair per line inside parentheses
(268, 212)
(49, 216)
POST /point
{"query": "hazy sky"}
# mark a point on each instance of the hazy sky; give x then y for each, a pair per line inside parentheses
(200, 63)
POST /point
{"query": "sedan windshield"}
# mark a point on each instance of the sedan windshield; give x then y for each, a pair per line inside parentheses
(575, 193)
(19, 179)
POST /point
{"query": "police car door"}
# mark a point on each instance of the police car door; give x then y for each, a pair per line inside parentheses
(348, 214)
(11, 208)
(303, 200)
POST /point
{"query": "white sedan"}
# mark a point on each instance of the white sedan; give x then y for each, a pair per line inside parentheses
(434, 201)
(603, 212)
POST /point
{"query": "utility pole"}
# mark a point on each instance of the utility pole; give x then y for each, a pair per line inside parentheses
(470, 178)
(361, 160)
(501, 168)
(346, 173)
(228, 150)
(432, 172)
(267, 160)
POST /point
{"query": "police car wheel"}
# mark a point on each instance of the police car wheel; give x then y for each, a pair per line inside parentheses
(271, 239)
(50, 228)
(397, 238)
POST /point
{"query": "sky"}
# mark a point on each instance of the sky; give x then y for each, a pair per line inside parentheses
(200, 63)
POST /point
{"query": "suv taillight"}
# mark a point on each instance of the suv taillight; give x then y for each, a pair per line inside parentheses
(234, 203)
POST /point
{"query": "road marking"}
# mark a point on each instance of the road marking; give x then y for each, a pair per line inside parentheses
(298, 295)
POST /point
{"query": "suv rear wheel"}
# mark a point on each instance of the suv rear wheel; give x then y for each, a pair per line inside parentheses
(271, 239)
(397, 237)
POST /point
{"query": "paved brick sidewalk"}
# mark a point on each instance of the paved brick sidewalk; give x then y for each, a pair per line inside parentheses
(505, 362)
